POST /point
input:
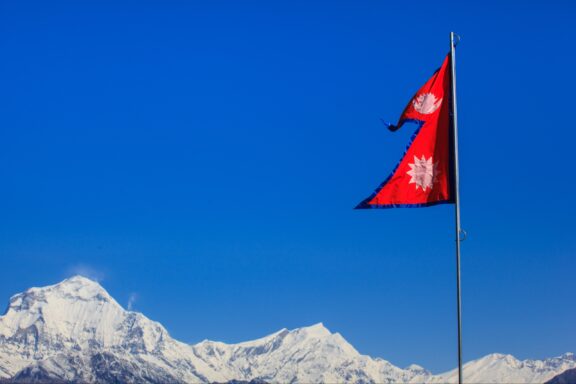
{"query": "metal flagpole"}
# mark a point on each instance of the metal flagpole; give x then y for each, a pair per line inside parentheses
(456, 198)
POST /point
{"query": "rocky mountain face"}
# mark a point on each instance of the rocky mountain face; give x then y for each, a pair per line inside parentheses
(566, 377)
(75, 332)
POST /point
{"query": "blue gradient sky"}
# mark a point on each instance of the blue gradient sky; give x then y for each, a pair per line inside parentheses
(204, 158)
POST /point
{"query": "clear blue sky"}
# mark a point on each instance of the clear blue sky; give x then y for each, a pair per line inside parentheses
(204, 158)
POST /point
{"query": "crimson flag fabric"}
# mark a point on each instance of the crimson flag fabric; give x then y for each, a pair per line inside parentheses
(423, 177)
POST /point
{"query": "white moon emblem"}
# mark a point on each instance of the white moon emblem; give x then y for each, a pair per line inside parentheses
(426, 103)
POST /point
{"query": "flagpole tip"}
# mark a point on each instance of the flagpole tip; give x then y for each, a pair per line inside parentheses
(454, 38)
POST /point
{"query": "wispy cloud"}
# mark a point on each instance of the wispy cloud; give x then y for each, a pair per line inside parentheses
(131, 300)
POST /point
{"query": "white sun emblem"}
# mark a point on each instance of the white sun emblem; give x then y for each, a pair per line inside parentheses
(423, 172)
(426, 103)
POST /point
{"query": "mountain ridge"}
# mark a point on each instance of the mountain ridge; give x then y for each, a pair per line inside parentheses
(75, 332)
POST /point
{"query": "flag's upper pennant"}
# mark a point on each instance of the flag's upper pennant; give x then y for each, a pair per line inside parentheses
(423, 176)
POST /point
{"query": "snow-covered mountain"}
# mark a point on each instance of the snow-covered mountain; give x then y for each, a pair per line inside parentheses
(75, 331)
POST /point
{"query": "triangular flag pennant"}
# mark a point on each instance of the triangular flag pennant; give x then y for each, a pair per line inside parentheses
(423, 177)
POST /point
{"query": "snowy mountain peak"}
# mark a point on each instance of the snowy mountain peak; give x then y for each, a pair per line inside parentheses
(80, 287)
(79, 282)
(79, 279)
(69, 302)
(76, 313)
(415, 367)
(314, 331)
(316, 335)
(71, 289)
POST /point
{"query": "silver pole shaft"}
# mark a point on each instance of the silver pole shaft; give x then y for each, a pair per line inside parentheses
(456, 200)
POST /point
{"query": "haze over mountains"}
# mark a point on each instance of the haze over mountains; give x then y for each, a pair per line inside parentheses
(76, 332)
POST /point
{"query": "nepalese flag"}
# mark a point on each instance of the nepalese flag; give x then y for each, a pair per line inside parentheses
(424, 175)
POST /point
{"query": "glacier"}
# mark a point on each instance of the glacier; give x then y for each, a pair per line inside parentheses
(75, 332)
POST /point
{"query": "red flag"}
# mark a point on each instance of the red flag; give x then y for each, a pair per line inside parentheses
(424, 175)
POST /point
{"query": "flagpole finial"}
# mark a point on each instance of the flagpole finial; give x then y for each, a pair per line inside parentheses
(455, 38)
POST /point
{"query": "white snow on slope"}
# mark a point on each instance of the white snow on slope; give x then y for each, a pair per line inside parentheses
(79, 316)
(76, 331)
(499, 368)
